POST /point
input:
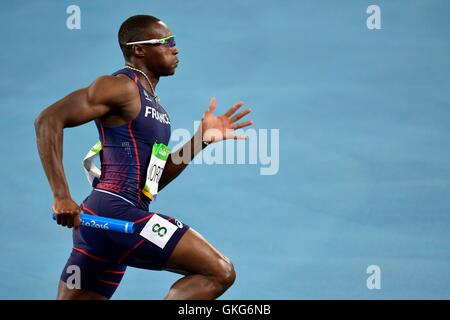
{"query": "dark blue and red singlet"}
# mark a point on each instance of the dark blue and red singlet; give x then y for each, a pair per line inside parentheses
(103, 256)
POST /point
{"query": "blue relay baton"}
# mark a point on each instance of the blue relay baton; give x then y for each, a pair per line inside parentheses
(104, 223)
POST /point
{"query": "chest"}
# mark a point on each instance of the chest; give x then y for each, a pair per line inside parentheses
(152, 123)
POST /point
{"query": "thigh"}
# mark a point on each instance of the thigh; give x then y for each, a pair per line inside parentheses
(195, 255)
(86, 276)
(156, 237)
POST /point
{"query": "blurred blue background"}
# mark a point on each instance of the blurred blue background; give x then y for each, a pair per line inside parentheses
(364, 120)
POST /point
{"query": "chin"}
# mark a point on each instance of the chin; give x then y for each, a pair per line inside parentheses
(169, 73)
(169, 70)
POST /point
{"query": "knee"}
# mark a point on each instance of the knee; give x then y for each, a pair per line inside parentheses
(225, 273)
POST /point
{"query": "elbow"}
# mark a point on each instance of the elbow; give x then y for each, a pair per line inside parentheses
(38, 121)
(45, 123)
(41, 120)
(45, 120)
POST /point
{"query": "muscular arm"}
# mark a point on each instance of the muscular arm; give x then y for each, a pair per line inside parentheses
(104, 95)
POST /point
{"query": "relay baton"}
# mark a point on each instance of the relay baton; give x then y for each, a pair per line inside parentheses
(104, 223)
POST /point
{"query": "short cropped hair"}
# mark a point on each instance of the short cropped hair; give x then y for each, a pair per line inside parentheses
(132, 30)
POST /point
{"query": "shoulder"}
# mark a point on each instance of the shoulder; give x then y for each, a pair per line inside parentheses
(112, 90)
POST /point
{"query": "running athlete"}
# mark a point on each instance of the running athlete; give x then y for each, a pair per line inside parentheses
(130, 120)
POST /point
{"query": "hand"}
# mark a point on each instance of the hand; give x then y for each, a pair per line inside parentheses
(216, 128)
(67, 212)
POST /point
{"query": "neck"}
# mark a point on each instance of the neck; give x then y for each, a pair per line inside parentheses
(151, 76)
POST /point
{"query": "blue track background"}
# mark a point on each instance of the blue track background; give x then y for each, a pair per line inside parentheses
(364, 121)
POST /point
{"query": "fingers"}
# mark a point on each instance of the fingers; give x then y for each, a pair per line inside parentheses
(61, 219)
(212, 105)
(67, 212)
(211, 108)
(58, 218)
(240, 115)
(241, 125)
(233, 109)
(68, 219)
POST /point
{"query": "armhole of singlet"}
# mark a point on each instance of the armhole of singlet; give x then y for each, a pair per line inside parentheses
(136, 81)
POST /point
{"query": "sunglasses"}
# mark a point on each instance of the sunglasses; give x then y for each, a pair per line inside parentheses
(168, 42)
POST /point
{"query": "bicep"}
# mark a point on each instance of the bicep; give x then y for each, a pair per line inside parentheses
(93, 102)
(76, 109)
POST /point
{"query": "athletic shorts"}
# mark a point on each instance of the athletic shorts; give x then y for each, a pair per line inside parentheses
(102, 256)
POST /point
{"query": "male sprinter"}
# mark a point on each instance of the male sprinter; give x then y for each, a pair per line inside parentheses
(130, 121)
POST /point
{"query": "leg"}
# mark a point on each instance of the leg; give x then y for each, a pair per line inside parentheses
(89, 278)
(161, 242)
(208, 273)
(64, 293)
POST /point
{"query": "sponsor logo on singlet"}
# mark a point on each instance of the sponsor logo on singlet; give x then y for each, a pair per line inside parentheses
(146, 96)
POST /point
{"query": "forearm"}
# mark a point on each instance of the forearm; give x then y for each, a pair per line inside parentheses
(49, 137)
(180, 159)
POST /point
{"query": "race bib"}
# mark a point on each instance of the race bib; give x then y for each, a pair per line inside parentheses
(158, 230)
(160, 153)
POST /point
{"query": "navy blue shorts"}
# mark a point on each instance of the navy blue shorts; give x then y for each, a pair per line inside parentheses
(102, 256)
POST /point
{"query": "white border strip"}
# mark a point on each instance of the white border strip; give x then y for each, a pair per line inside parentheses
(113, 194)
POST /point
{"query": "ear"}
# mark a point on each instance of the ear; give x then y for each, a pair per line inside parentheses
(138, 50)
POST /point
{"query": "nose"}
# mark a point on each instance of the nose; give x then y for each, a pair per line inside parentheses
(175, 50)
